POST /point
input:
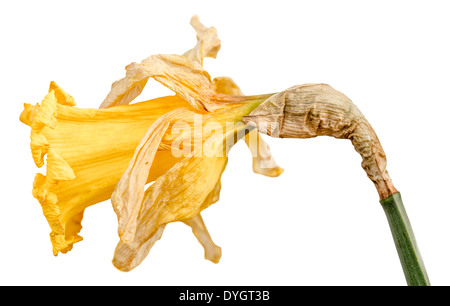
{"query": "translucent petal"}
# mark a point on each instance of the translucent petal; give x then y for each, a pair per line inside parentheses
(129, 191)
(212, 251)
(183, 74)
(263, 161)
(200, 129)
(208, 43)
(226, 85)
(178, 195)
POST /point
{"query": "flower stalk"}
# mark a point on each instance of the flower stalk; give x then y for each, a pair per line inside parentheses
(405, 242)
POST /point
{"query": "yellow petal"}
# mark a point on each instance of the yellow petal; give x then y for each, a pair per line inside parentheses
(129, 191)
(46, 116)
(178, 195)
(87, 151)
(226, 85)
(129, 255)
(61, 96)
(212, 251)
(27, 115)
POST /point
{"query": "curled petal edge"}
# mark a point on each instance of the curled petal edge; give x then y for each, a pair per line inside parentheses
(183, 74)
(162, 204)
(40, 117)
(129, 191)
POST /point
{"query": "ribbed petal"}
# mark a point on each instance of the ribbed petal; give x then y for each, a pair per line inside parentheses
(178, 195)
(208, 43)
(183, 74)
(87, 152)
(129, 191)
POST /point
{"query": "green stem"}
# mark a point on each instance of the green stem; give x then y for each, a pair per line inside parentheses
(405, 242)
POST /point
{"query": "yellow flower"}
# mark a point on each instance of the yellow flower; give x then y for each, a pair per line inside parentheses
(178, 143)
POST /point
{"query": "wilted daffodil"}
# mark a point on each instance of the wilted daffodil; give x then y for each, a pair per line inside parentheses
(178, 142)
(161, 160)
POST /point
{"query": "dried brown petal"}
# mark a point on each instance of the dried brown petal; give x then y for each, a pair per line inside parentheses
(212, 251)
(208, 43)
(263, 161)
(129, 191)
(183, 74)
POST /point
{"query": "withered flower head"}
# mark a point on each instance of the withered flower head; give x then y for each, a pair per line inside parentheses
(178, 143)
(161, 161)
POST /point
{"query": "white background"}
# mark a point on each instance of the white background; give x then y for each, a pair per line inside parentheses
(319, 223)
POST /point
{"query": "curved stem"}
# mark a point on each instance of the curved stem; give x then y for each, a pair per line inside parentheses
(312, 110)
(405, 242)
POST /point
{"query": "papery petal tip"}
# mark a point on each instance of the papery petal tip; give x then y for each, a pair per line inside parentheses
(263, 160)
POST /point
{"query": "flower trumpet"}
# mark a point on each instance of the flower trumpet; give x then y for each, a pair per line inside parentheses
(161, 160)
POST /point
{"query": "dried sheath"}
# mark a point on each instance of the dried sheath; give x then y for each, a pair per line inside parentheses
(312, 110)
